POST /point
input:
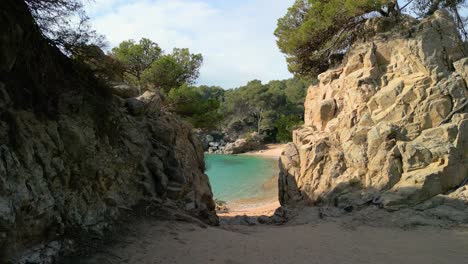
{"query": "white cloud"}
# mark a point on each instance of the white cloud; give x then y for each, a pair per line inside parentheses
(236, 41)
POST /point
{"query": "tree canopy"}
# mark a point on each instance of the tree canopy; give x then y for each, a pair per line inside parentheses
(64, 23)
(137, 57)
(271, 109)
(147, 66)
(193, 104)
(315, 33)
(173, 70)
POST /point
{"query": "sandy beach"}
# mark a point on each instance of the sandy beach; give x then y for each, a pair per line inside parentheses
(257, 207)
(261, 208)
(270, 150)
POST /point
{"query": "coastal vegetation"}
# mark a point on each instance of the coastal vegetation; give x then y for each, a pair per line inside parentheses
(272, 109)
(316, 34)
(97, 165)
(313, 34)
(147, 66)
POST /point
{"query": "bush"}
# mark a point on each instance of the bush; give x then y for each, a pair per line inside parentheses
(286, 124)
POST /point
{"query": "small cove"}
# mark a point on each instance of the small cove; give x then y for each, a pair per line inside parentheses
(243, 181)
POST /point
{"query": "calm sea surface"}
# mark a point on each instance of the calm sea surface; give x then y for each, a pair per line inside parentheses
(235, 178)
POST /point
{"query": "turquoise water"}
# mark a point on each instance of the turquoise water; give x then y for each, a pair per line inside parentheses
(241, 177)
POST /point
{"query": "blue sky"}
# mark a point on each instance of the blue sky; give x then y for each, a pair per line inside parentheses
(234, 36)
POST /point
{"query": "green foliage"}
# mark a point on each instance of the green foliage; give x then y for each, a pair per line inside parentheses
(213, 92)
(285, 125)
(315, 34)
(257, 106)
(147, 66)
(190, 103)
(64, 23)
(190, 64)
(296, 90)
(137, 57)
(314, 30)
(173, 70)
(163, 74)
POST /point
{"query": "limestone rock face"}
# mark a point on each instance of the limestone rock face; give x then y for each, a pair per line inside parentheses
(388, 126)
(73, 157)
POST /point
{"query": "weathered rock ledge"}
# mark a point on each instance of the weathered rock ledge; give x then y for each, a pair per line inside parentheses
(388, 127)
(73, 156)
(220, 143)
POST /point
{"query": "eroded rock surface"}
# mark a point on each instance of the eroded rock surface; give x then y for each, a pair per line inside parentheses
(73, 156)
(389, 126)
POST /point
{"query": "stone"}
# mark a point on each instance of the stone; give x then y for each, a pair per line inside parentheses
(388, 125)
(461, 67)
(209, 138)
(74, 158)
(327, 110)
(221, 206)
(4, 97)
(243, 145)
(135, 107)
(214, 144)
(124, 90)
(264, 220)
(242, 220)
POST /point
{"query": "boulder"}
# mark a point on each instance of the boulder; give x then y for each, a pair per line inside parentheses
(214, 144)
(135, 107)
(124, 90)
(149, 103)
(209, 138)
(242, 145)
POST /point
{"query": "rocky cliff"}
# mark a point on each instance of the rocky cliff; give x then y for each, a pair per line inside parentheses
(387, 127)
(73, 156)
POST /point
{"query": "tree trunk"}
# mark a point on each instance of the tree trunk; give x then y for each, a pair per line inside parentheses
(259, 120)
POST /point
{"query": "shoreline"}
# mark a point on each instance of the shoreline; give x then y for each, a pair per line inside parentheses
(257, 207)
(269, 151)
(264, 208)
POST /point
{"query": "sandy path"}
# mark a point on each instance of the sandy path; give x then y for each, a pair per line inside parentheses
(325, 243)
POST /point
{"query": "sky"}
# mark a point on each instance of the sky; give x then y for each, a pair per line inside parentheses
(235, 37)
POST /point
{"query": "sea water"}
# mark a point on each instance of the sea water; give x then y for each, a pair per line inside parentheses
(237, 178)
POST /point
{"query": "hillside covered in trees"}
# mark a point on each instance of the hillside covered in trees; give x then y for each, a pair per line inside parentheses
(133, 67)
(271, 110)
